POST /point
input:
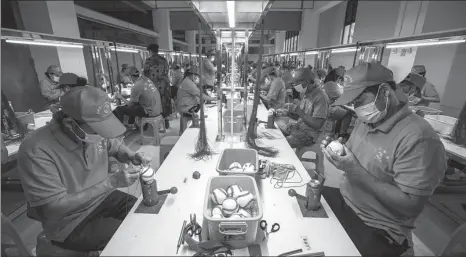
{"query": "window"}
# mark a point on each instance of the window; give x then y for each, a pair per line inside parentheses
(347, 33)
(291, 41)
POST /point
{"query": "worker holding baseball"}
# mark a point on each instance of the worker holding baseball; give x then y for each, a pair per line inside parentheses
(393, 162)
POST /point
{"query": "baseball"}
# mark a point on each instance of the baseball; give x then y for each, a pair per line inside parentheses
(248, 167)
(245, 199)
(217, 210)
(233, 191)
(217, 216)
(229, 207)
(236, 216)
(336, 147)
(218, 195)
(244, 213)
(235, 165)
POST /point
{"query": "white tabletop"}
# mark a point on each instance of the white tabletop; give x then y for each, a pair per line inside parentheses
(454, 149)
(149, 234)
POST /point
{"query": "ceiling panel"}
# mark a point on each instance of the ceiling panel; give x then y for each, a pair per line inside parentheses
(212, 6)
(217, 17)
(250, 6)
(287, 4)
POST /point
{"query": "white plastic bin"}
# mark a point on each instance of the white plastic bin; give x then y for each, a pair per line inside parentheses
(442, 124)
(238, 120)
(238, 233)
(242, 156)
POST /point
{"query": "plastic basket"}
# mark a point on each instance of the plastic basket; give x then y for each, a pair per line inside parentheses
(242, 156)
(442, 124)
(238, 233)
(238, 119)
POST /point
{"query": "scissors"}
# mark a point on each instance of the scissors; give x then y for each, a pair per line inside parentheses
(263, 225)
(193, 228)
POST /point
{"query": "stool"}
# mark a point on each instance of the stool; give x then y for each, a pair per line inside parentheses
(45, 248)
(155, 123)
(166, 145)
(12, 240)
(312, 158)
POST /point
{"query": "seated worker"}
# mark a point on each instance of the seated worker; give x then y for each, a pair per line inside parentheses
(66, 83)
(144, 101)
(312, 111)
(188, 98)
(411, 87)
(63, 168)
(337, 114)
(428, 92)
(176, 80)
(124, 77)
(394, 161)
(275, 98)
(48, 86)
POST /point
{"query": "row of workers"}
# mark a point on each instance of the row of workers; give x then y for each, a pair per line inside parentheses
(393, 159)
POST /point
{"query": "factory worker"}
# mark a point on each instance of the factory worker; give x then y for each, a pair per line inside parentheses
(428, 93)
(188, 98)
(276, 95)
(209, 71)
(394, 160)
(312, 111)
(341, 117)
(63, 168)
(48, 86)
(176, 80)
(156, 69)
(124, 76)
(103, 82)
(145, 99)
(412, 86)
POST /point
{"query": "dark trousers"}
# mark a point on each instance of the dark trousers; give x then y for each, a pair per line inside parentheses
(132, 111)
(369, 241)
(192, 110)
(96, 230)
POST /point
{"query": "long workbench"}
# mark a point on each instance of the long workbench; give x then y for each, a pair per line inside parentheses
(157, 234)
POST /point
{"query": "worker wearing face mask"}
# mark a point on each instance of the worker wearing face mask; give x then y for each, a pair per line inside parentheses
(276, 95)
(339, 116)
(49, 86)
(412, 86)
(63, 168)
(312, 111)
(66, 83)
(428, 93)
(393, 162)
(209, 71)
(145, 100)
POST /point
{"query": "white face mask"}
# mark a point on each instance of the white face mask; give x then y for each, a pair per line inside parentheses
(196, 79)
(300, 88)
(369, 113)
(87, 138)
(267, 81)
(55, 78)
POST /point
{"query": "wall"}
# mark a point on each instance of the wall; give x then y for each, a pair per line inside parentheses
(376, 20)
(309, 34)
(454, 93)
(331, 25)
(345, 59)
(445, 15)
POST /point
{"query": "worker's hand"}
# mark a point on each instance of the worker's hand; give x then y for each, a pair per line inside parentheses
(299, 111)
(140, 158)
(348, 162)
(118, 95)
(125, 177)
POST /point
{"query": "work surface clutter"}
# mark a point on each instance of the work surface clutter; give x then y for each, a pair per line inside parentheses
(355, 137)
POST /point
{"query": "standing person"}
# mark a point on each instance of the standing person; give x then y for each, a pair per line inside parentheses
(63, 168)
(428, 93)
(312, 111)
(208, 75)
(275, 98)
(394, 161)
(156, 69)
(145, 99)
(49, 86)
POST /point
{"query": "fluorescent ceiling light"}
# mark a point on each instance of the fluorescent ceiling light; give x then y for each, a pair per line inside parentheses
(294, 54)
(124, 50)
(30, 42)
(312, 52)
(231, 13)
(343, 50)
(432, 43)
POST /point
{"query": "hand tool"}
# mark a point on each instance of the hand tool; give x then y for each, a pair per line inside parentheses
(180, 239)
(263, 225)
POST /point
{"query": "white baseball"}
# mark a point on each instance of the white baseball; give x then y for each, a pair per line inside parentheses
(248, 167)
(236, 216)
(336, 147)
(218, 195)
(217, 210)
(229, 207)
(233, 191)
(235, 165)
(245, 199)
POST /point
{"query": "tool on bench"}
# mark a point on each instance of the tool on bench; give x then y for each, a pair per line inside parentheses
(300, 252)
(151, 196)
(180, 239)
(193, 228)
(313, 193)
(263, 225)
